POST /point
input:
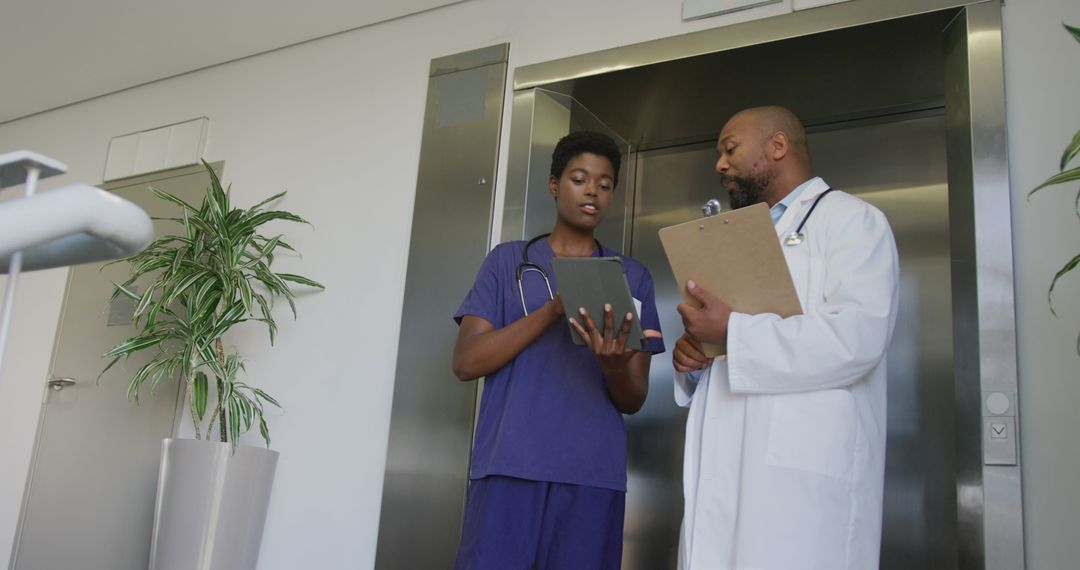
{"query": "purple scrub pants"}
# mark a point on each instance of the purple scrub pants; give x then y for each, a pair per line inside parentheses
(517, 524)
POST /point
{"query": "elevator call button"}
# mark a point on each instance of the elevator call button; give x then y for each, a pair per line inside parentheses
(999, 428)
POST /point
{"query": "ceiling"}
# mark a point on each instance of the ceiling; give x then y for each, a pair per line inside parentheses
(57, 52)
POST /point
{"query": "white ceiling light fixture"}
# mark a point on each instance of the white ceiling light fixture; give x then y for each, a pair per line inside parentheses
(68, 226)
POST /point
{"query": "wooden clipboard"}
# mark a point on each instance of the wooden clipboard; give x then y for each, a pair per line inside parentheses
(735, 256)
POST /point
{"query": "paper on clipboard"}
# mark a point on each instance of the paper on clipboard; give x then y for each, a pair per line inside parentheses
(735, 256)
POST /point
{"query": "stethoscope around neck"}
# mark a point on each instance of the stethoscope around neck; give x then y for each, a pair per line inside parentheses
(796, 237)
(527, 265)
(712, 208)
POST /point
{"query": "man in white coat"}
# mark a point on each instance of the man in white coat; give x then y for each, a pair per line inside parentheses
(785, 439)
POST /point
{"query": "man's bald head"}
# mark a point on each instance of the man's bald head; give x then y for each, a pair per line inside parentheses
(762, 155)
(772, 119)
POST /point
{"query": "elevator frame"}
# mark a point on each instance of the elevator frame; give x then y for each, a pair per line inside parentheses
(989, 500)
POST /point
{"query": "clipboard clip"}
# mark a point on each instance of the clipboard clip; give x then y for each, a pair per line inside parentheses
(711, 208)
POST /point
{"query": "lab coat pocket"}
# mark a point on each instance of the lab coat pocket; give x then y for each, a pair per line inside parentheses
(798, 262)
(814, 431)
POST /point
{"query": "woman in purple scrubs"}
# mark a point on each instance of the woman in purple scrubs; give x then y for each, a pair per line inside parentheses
(548, 476)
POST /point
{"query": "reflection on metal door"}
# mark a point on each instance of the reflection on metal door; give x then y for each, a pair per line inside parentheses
(869, 83)
(898, 166)
(430, 425)
(553, 116)
(89, 500)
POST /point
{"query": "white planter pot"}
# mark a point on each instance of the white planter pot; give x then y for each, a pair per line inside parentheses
(211, 505)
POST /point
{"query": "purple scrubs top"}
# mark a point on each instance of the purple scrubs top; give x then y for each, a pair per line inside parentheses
(547, 415)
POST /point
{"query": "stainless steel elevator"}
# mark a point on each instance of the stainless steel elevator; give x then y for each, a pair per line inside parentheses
(904, 107)
(899, 166)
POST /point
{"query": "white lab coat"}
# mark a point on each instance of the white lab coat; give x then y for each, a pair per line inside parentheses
(785, 439)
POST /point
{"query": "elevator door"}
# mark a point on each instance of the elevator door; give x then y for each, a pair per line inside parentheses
(898, 166)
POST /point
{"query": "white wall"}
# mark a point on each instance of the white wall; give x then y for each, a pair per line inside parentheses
(338, 123)
(105, 30)
(1042, 71)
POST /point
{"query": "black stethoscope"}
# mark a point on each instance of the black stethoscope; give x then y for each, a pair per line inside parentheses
(796, 237)
(526, 266)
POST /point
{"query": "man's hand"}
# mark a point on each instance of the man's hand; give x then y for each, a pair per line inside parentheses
(708, 324)
(688, 355)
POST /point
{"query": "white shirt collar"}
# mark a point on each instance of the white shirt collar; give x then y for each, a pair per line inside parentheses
(778, 210)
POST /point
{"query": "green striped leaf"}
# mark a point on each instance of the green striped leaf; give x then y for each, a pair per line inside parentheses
(182, 284)
(234, 421)
(106, 369)
(155, 378)
(281, 243)
(301, 280)
(148, 265)
(266, 318)
(200, 389)
(140, 377)
(135, 344)
(147, 298)
(246, 416)
(122, 290)
(265, 432)
(171, 198)
(264, 217)
(1059, 178)
(256, 207)
(1071, 265)
(266, 397)
(1074, 31)
(233, 315)
(246, 294)
(1071, 151)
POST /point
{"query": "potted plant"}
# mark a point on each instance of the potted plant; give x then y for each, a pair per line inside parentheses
(1064, 175)
(189, 290)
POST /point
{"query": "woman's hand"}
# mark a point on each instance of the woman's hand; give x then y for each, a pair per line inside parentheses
(625, 369)
(556, 305)
(609, 348)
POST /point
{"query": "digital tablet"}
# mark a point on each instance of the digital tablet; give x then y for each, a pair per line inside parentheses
(592, 282)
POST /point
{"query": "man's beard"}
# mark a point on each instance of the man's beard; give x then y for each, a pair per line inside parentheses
(748, 190)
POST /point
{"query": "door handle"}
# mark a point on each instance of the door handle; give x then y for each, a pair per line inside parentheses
(60, 382)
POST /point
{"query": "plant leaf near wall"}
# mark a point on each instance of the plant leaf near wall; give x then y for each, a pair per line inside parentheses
(1074, 31)
(196, 286)
(1065, 175)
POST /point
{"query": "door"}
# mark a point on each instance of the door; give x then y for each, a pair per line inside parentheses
(431, 415)
(899, 166)
(89, 501)
(868, 82)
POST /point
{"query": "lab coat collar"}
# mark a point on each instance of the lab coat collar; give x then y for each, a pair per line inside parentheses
(794, 213)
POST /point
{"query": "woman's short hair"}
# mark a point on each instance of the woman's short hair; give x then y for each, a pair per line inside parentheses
(580, 142)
